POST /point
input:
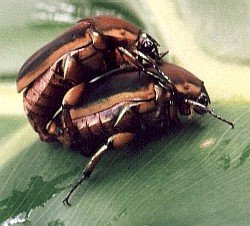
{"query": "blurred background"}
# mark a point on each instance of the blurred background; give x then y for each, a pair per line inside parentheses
(208, 38)
(211, 39)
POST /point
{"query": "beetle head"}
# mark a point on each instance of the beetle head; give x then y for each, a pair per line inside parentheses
(189, 93)
(200, 106)
(192, 89)
(148, 46)
(202, 99)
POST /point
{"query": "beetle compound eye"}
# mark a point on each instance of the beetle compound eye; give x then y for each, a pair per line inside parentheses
(203, 99)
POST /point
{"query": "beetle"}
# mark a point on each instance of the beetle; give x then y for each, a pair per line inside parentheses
(88, 49)
(121, 108)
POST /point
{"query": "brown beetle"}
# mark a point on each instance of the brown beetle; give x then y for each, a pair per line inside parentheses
(122, 107)
(91, 47)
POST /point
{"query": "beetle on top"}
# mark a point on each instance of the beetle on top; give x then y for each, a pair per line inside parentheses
(88, 49)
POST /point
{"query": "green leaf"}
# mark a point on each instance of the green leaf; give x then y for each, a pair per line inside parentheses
(196, 173)
(187, 176)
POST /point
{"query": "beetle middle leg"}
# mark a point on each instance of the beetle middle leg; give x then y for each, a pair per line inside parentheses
(114, 142)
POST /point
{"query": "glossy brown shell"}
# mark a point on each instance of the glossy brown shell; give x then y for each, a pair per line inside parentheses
(184, 81)
(133, 86)
(74, 38)
(120, 88)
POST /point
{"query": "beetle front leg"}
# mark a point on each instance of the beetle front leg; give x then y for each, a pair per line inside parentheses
(114, 142)
(136, 59)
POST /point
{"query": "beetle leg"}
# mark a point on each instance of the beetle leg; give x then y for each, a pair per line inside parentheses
(73, 96)
(126, 109)
(114, 142)
(152, 63)
(131, 58)
(110, 73)
(71, 68)
(121, 114)
(70, 130)
(163, 79)
(134, 62)
(70, 99)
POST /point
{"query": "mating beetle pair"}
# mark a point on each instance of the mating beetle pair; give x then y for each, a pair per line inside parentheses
(119, 103)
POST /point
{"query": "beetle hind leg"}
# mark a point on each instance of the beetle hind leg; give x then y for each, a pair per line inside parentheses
(114, 142)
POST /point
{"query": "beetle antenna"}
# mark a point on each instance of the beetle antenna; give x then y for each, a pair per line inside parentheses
(164, 54)
(210, 111)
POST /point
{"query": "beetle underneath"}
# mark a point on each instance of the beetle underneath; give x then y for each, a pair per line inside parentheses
(121, 108)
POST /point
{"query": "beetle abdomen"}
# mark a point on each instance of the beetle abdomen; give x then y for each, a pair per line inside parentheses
(43, 98)
(103, 124)
(98, 124)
